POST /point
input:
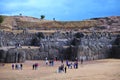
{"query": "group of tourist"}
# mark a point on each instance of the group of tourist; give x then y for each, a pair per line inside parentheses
(75, 64)
(35, 66)
(17, 66)
(49, 62)
(69, 65)
(72, 65)
(61, 68)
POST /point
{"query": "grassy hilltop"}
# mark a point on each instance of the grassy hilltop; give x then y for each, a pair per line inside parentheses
(23, 22)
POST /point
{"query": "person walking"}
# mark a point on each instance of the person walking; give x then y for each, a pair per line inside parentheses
(81, 60)
(46, 62)
(13, 66)
(33, 66)
(36, 66)
(16, 66)
(65, 69)
(76, 64)
(21, 66)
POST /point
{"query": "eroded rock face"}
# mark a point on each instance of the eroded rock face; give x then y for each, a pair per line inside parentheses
(115, 53)
(11, 39)
(3, 54)
(67, 45)
(15, 55)
(12, 55)
(94, 46)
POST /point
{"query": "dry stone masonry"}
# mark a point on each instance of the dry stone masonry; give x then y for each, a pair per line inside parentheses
(67, 45)
(21, 39)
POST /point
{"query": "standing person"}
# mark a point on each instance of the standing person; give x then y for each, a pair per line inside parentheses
(56, 58)
(36, 66)
(62, 67)
(13, 66)
(61, 60)
(76, 64)
(16, 66)
(46, 62)
(21, 66)
(33, 66)
(81, 60)
(52, 62)
(71, 65)
(65, 69)
(46, 58)
(76, 59)
(67, 62)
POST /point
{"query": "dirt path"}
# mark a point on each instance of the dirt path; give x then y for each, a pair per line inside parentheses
(106, 69)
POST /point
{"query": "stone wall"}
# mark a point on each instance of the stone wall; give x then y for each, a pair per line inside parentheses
(115, 53)
(66, 45)
(11, 55)
(93, 46)
(11, 39)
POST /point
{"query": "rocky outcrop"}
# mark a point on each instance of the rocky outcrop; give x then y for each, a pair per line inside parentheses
(11, 39)
(66, 45)
(109, 23)
(93, 46)
(12, 55)
(115, 53)
(3, 54)
(89, 39)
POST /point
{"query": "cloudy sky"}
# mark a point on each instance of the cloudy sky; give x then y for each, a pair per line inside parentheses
(61, 9)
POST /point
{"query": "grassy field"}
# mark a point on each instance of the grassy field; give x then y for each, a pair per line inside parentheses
(22, 22)
(106, 69)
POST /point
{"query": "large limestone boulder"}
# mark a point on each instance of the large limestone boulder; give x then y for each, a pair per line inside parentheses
(15, 55)
(116, 48)
(11, 56)
(3, 54)
(94, 46)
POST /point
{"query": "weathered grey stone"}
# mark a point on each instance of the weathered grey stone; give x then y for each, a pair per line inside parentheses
(115, 53)
(12, 56)
(2, 55)
(94, 45)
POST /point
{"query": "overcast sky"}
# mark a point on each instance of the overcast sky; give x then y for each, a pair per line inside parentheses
(61, 9)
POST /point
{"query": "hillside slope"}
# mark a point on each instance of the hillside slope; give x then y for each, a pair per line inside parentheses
(23, 22)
